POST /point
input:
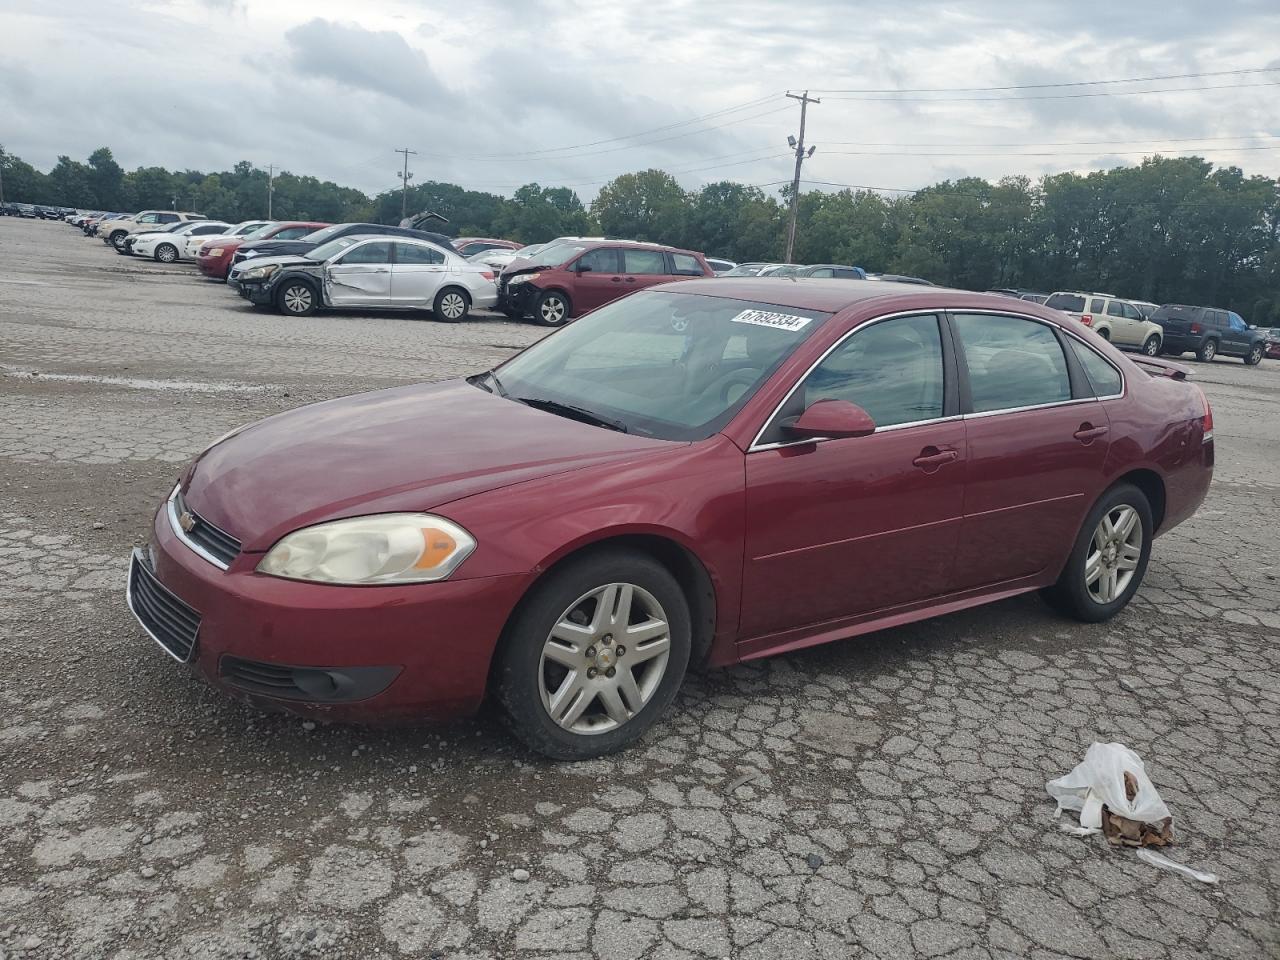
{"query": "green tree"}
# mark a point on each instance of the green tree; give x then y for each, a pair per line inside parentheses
(106, 179)
(649, 205)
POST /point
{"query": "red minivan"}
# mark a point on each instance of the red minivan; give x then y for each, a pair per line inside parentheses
(569, 277)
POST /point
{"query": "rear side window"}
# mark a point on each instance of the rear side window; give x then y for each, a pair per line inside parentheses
(292, 233)
(893, 370)
(685, 265)
(168, 218)
(846, 274)
(1070, 302)
(412, 253)
(1095, 305)
(644, 261)
(600, 260)
(1012, 362)
(1115, 309)
(1103, 377)
(825, 273)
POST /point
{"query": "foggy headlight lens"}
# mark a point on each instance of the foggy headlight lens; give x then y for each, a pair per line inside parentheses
(387, 548)
(259, 273)
(522, 278)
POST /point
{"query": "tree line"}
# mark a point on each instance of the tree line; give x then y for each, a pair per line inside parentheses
(1172, 229)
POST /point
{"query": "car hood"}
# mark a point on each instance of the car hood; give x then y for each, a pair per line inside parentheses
(276, 248)
(405, 449)
(287, 260)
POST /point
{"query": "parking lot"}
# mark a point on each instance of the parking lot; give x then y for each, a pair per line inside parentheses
(882, 797)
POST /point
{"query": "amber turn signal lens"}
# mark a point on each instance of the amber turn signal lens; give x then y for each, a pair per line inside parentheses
(437, 547)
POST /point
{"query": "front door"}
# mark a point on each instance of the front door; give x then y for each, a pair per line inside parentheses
(1236, 336)
(360, 276)
(416, 275)
(1037, 443)
(597, 279)
(841, 528)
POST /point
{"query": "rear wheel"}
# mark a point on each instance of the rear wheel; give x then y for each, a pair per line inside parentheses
(1254, 356)
(452, 305)
(166, 253)
(1152, 347)
(594, 655)
(1207, 351)
(297, 298)
(552, 309)
(1109, 558)
(1105, 334)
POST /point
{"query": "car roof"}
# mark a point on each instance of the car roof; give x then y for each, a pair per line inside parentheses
(637, 245)
(833, 296)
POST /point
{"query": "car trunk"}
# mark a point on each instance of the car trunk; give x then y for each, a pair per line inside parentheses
(1178, 320)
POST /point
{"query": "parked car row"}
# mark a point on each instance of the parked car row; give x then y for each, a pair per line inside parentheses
(34, 211)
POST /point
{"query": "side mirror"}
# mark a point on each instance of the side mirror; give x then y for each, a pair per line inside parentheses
(831, 419)
(581, 267)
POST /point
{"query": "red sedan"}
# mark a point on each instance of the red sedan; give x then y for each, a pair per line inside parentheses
(214, 256)
(709, 471)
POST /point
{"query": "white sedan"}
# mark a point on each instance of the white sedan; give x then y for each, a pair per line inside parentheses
(241, 229)
(169, 247)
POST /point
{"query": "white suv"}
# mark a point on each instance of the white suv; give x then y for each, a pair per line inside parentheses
(144, 222)
(1114, 319)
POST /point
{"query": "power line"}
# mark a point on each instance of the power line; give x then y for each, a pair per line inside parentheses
(1070, 83)
(1046, 153)
(1058, 96)
(1052, 143)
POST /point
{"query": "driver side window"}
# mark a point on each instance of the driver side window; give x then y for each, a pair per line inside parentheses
(892, 369)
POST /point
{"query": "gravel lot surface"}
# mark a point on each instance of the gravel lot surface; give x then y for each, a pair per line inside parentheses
(877, 798)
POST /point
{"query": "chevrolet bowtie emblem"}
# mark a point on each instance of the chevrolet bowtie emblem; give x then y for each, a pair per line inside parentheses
(186, 521)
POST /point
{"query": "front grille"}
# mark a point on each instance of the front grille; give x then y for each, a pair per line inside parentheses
(171, 623)
(203, 534)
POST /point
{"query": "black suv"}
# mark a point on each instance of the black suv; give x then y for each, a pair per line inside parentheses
(1209, 332)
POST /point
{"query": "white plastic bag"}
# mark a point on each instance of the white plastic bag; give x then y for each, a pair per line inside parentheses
(1099, 780)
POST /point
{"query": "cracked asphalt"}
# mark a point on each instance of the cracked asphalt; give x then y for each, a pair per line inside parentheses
(882, 797)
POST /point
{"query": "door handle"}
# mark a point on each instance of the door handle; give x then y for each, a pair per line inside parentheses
(1089, 433)
(931, 458)
(631, 279)
(616, 279)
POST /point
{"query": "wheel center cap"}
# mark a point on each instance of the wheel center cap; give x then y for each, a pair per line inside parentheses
(605, 658)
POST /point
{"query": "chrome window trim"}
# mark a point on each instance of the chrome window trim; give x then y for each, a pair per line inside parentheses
(756, 445)
(172, 511)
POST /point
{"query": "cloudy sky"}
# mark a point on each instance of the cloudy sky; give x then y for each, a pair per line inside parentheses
(493, 94)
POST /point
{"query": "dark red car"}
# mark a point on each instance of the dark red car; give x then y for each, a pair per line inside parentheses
(710, 471)
(214, 257)
(569, 277)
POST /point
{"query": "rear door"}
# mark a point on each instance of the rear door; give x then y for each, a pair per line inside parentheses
(842, 528)
(1037, 440)
(642, 268)
(361, 276)
(597, 278)
(1123, 323)
(416, 275)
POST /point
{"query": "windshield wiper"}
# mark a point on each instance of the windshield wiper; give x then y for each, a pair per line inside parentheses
(572, 412)
(493, 386)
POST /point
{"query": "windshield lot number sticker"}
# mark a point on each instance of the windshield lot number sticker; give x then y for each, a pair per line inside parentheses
(779, 321)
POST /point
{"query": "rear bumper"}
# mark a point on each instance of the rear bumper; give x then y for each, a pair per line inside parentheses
(362, 654)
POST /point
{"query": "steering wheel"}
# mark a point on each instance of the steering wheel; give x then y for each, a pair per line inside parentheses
(729, 387)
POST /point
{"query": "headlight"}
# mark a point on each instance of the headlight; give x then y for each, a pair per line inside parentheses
(522, 278)
(251, 253)
(213, 251)
(364, 551)
(260, 273)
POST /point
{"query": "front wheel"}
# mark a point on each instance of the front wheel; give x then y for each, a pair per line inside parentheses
(166, 253)
(451, 305)
(1254, 356)
(1152, 347)
(1109, 558)
(117, 239)
(595, 655)
(296, 298)
(1208, 350)
(552, 309)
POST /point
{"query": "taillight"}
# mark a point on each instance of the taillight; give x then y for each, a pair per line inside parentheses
(1206, 421)
(1086, 319)
(1196, 328)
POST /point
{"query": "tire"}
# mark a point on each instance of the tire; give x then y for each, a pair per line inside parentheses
(553, 308)
(599, 714)
(1254, 356)
(452, 304)
(1107, 593)
(166, 253)
(1152, 347)
(1207, 351)
(296, 298)
(117, 239)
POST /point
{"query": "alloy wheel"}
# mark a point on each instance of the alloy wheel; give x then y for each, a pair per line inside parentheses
(1152, 348)
(1255, 355)
(453, 306)
(297, 299)
(166, 254)
(552, 310)
(1210, 350)
(604, 659)
(1113, 554)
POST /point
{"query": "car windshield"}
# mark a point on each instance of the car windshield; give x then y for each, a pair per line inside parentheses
(530, 250)
(330, 249)
(1070, 302)
(324, 233)
(260, 233)
(745, 270)
(675, 366)
(554, 254)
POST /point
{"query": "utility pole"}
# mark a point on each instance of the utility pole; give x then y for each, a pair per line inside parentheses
(406, 176)
(271, 187)
(1, 178)
(801, 157)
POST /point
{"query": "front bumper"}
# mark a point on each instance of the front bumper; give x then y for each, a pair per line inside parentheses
(519, 298)
(364, 654)
(260, 292)
(216, 266)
